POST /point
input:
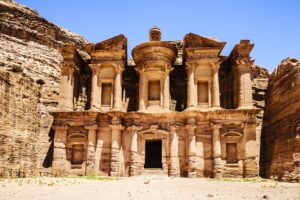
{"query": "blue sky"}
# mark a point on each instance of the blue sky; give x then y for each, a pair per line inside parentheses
(273, 26)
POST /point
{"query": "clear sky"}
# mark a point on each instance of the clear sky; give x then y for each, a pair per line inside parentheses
(273, 26)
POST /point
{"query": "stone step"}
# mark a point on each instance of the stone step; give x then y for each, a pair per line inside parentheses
(154, 173)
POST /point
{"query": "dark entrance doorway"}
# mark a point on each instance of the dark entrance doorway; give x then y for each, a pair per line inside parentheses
(153, 154)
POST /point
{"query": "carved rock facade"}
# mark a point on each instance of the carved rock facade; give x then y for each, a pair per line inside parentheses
(163, 110)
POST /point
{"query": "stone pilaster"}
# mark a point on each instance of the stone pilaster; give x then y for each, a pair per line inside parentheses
(174, 159)
(215, 86)
(116, 129)
(167, 92)
(191, 88)
(59, 163)
(133, 167)
(191, 129)
(244, 92)
(92, 135)
(216, 140)
(251, 149)
(142, 91)
(118, 89)
(66, 88)
(96, 90)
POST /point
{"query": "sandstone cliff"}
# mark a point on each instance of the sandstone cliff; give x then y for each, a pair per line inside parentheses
(29, 77)
(280, 149)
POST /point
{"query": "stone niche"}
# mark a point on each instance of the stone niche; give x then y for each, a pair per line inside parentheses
(154, 61)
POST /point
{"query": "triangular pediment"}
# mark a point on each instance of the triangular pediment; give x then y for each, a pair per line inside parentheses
(115, 43)
(192, 40)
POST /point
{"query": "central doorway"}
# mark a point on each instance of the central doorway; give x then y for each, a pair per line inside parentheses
(153, 154)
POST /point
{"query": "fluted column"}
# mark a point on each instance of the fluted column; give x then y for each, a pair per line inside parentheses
(96, 90)
(216, 140)
(116, 129)
(244, 92)
(192, 150)
(133, 167)
(118, 89)
(66, 93)
(92, 135)
(142, 91)
(59, 163)
(215, 87)
(174, 159)
(191, 90)
(167, 91)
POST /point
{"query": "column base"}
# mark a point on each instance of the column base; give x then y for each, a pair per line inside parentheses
(117, 110)
(95, 109)
(250, 168)
(133, 167)
(217, 168)
(246, 107)
(192, 167)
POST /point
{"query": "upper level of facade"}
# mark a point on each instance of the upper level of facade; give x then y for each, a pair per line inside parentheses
(163, 76)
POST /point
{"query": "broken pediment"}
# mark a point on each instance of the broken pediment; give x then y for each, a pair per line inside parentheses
(115, 43)
(192, 40)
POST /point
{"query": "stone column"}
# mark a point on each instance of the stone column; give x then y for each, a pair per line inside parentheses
(116, 129)
(251, 149)
(142, 91)
(191, 128)
(118, 89)
(215, 87)
(91, 148)
(216, 140)
(96, 90)
(59, 163)
(244, 92)
(66, 93)
(133, 167)
(167, 91)
(191, 90)
(174, 159)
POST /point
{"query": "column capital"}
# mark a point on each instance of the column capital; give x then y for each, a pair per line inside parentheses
(119, 68)
(134, 128)
(116, 127)
(190, 66)
(67, 68)
(91, 127)
(60, 127)
(191, 129)
(216, 125)
(174, 128)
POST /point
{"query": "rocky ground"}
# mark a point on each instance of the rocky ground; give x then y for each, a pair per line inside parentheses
(145, 188)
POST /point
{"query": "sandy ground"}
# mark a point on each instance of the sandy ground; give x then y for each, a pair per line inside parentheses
(144, 188)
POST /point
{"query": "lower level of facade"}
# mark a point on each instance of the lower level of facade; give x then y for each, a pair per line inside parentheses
(219, 143)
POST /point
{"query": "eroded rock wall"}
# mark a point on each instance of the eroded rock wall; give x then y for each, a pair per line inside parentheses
(280, 149)
(29, 86)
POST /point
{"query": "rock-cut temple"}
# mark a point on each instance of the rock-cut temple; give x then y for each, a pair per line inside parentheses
(179, 107)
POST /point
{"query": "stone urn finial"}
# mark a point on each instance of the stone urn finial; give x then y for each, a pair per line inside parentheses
(154, 34)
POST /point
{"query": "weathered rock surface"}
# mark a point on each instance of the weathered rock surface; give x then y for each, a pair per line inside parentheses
(280, 149)
(260, 79)
(29, 77)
